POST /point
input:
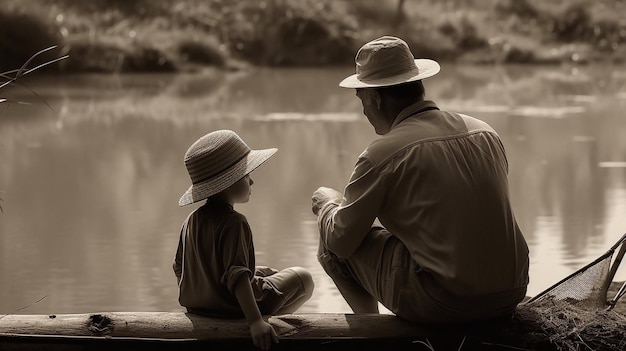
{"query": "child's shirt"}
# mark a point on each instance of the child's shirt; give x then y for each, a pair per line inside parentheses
(215, 249)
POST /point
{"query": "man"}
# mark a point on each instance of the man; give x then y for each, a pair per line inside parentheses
(424, 225)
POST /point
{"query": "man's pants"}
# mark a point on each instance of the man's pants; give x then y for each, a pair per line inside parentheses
(383, 266)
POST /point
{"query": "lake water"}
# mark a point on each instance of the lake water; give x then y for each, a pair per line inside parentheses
(90, 185)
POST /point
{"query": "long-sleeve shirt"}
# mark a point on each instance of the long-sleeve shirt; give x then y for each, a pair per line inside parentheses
(438, 182)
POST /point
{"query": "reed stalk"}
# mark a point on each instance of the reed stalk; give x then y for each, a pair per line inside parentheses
(12, 77)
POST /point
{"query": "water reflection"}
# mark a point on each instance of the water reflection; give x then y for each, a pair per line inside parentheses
(90, 189)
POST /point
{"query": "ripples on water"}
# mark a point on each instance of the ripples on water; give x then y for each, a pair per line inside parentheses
(90, 188)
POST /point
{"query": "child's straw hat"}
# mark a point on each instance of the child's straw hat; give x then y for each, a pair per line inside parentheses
(218, 160)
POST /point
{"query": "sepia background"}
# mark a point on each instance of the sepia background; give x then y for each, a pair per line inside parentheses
(91, 147)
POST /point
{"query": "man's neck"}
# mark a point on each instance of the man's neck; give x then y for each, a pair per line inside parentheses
(412, 109)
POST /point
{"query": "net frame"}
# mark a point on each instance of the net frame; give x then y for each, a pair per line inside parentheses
(610, 275)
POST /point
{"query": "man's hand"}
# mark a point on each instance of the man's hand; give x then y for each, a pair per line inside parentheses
(322, 196)
(263, 334)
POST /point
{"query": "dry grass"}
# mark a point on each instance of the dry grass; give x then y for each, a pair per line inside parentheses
(570, 328)
(11, 77)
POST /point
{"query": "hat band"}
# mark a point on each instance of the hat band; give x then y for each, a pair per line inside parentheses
(219, 172)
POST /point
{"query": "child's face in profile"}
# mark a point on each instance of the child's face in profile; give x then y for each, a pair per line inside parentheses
(240, 191)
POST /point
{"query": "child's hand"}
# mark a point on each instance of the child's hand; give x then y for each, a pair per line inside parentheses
(264, 271)
(263, 334)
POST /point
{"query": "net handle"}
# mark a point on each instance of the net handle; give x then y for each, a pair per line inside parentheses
(618, 243)
(619, 294)
(617, 261)
(614, 267)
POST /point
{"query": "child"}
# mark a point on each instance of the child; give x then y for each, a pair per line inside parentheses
(215, 262)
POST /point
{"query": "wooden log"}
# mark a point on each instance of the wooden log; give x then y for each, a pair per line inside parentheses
(311, 331)
(177, 330)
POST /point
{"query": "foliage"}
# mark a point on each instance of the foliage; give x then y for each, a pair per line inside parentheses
(288, 32)
(22, 34)
(173, 35)
(112, 54)
(570, 21)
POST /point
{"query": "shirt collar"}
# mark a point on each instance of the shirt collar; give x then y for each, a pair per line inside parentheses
(414, 109)
(217, 203)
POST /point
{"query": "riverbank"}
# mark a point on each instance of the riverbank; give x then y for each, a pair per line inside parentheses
(175, 35)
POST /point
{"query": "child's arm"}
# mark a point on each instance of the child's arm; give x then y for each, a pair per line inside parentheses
(262, 332)
(177, 265)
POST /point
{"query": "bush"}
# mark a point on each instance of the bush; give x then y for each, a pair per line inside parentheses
(573, 24)
(202, 51)
(288, 32)
(127, 8)
(112, 55)
(521, 8)
(464, 34)
(576, 24)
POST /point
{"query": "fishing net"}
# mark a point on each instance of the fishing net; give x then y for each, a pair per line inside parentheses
(587, 287)
(575, 313)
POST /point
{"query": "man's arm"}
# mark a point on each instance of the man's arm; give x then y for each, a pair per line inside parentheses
(263, 334)
(344, 220)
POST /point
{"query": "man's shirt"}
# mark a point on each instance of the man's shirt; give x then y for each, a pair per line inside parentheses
(438, 182)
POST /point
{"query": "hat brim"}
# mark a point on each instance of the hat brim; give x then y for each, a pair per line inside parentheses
(201, 191)
(425, 68)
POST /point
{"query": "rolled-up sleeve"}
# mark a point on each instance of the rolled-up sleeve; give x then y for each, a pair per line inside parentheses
(343, 226)
(237, 253)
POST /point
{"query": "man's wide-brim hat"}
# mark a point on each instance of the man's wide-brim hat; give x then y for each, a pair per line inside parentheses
(388, 61)
(218, 160)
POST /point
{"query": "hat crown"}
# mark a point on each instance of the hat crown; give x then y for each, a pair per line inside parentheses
(383, 58)
(218, 160)
(214, 154)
